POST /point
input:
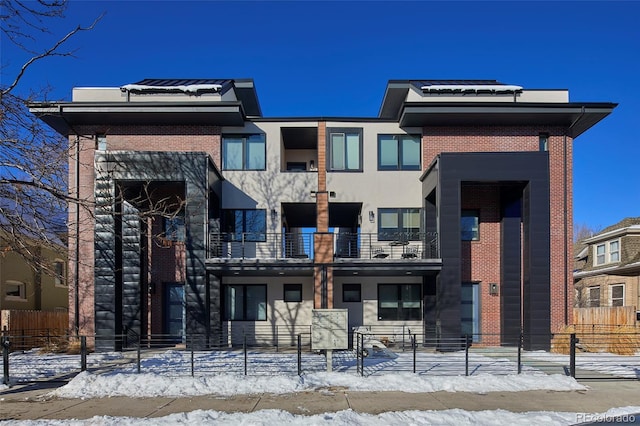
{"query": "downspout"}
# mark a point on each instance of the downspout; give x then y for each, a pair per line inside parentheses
(77, 248)
(566, 224)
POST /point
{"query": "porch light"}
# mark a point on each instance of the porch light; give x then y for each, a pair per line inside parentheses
(274, 214)
(372, 216)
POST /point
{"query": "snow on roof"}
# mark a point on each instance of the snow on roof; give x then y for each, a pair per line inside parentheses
(472, 88)
(190, 88)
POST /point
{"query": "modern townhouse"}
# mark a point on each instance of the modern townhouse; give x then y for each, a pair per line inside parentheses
(449, 214)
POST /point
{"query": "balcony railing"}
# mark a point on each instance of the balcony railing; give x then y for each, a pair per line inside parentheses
(404, 246)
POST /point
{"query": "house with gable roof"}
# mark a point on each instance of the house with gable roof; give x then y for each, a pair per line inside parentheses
(607, 269)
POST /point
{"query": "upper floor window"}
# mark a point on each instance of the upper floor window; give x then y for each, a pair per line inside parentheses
(244, 152)
(174, 228)
(398, 152)
(399, 224)
(345, 149)
(59, 277)
(469, 225)
(608, 252)
(543, 141)
(15, 290)
(250, 224)
(101, 142)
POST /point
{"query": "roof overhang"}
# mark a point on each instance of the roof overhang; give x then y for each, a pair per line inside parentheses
(577, 117)
(63, 116)
(624, 270)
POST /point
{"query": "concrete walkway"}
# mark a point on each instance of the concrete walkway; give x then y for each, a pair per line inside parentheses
(30, 402)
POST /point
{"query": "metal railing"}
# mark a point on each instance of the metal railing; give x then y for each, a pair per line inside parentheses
(373, 246)
(611, 356)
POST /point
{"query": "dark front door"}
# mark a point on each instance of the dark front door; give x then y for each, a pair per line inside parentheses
(174, 311)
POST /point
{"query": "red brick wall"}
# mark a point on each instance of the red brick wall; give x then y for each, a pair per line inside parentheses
(129, 138)
(512, 139)
(481, 259)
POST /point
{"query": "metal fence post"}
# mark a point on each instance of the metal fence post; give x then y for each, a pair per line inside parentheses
(139, 354)
(572, 355)
(5, 359)
(361, 340)
(520, 341)
(192, 359)
(466, 354)
(299, 355)
(414, 346)
(244, 348)
(83, 353)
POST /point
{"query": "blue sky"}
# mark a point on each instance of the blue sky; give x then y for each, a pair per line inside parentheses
(335, 58)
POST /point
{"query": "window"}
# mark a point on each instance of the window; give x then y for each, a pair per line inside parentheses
(543, 141)
(15, 290)
(469, 225)
(399, 302)
(345, 149)
(399, 224)
(243, 152)
(608, 252)
(245, 302)
(59, 277)
(101, 142)
(351, 293)
(398, 152)
(470, 310)
(250, 223)
(594, 297)
(617, 295)
(174, 228)
(292, 293)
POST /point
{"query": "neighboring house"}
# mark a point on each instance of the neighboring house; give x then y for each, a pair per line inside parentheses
(34, 285)
(607, 268)
(449, 213)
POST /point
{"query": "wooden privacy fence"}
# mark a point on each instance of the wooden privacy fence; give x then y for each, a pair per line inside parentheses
(34, 322)
(615, 316)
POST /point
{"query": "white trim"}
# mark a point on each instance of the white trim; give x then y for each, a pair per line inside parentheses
(615, 268)
(607, 252)
(633, 229)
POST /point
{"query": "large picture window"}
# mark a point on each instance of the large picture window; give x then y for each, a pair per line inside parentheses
(399, 302)
(251, 223)
(402, 224)
(398, 152)
(245, 302)
(345, 149)
(243, 152)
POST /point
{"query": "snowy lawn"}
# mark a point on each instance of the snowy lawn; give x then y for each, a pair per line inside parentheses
(607, 363)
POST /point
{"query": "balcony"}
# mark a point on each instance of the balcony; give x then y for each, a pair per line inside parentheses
(364, 246)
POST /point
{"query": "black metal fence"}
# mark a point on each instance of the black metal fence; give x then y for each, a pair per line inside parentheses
(597, 356)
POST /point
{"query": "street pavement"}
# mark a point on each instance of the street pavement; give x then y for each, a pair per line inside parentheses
(31, 402)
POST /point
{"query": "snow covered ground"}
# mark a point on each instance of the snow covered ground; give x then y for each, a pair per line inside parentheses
(168, 374)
